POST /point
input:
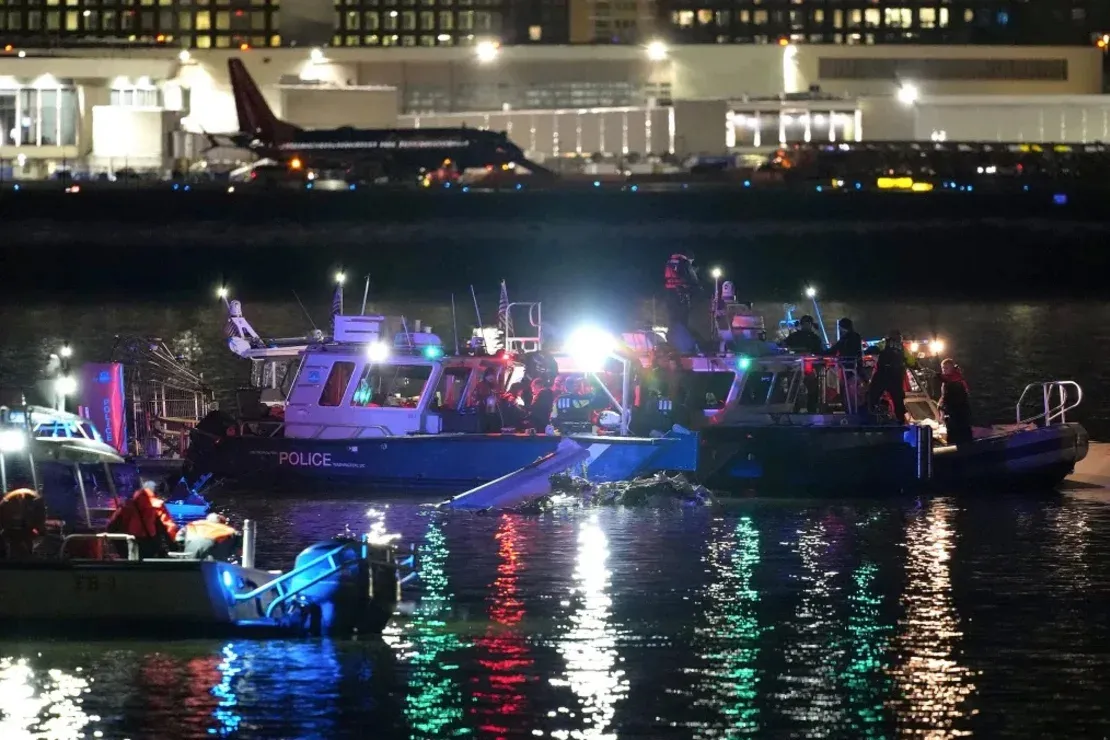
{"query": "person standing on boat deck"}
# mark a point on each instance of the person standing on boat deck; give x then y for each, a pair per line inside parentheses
(955, 403)
(805, 341)
(680, 280)
(210, 538)
(890, 376)
(22, 519)
(850, 344)
(145, 518)
(543, 405)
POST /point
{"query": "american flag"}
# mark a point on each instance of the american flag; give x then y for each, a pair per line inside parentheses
(504, 321)
(337, 302)
(231, 329)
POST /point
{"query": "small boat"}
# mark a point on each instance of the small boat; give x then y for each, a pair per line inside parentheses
(341, 588)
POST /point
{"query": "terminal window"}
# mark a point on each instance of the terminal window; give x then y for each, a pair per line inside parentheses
(39, 116)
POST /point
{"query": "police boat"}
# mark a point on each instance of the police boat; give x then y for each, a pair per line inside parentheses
(339, 588)
(379, 401)
(749, 404)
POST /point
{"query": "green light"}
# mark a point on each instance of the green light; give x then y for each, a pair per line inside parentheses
(433, 352)
(743, 363)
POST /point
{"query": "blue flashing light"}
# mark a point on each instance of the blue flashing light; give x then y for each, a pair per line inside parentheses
(859, 186)
(597, 183)
(970, 188)
(446, 184)
(17, 186)
(1060, 199)
(186, 188)
(519, 186)
(743, 363)
(635, 188)
(176, 186)
(466, 189)
(308, 186)
(351, 186)
(227, 579)
(747, 183)
(684, 186)
(1025, 188)
(819, 188)
(432, 352)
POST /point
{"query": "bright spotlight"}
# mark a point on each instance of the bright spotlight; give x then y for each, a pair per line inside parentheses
(65, 385)
(811, 292)
(914, 346)
(657, 51)
(184, 56)
(12, 440)
(65, 351)
(590, 347)
(487, 51)
(316, 56)
(716, 273)
(221, 292)
(907, 94)
(936, 346)
(377, 351)
(340, 277)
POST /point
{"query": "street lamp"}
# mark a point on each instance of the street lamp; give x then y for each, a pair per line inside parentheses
(340, 277)
(657, 51)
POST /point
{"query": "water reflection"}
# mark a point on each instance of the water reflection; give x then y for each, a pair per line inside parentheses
(814, 649)
(590, 646)
(502, 651)
(434, 703)
(729, 686)
(41, 704)
(865, 677)
(1071, 531)
(932, 684)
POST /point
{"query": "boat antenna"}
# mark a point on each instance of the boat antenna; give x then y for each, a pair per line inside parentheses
(476, 311)
(454, 324)
(365, 294)
(306, 313)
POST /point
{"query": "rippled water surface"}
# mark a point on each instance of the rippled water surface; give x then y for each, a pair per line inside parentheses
(905, 618)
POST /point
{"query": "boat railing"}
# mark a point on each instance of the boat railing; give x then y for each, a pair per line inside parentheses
(101, 537)
(523, 344)
(273, 428)
(1057, 398)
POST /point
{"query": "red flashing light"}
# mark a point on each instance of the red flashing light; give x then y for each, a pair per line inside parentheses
(504, 355)
(238, 14)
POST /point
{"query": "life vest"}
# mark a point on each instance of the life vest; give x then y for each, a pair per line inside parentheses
(676, 273)
(144, 517)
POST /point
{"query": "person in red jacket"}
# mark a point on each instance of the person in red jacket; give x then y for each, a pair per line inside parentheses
(145, 518)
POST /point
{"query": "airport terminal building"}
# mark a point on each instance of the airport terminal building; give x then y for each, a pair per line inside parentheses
(150, 108)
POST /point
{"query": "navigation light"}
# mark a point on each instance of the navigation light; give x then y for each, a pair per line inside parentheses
(377, 351)
(65, 385)
(590, 347)
(715, 273)
(12, 440)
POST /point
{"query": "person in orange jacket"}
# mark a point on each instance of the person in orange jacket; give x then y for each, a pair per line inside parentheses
(22, 519)
(211, 538)
(145, 518)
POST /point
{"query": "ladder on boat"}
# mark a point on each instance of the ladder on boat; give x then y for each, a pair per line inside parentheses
(1058, 397)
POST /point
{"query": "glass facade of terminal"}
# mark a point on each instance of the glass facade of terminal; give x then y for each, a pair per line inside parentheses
(417, 22)
(44, 114)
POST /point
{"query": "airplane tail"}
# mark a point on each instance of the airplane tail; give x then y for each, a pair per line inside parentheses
(255, 116)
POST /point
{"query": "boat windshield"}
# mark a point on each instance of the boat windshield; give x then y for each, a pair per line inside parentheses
(451, 391)
(391, 385)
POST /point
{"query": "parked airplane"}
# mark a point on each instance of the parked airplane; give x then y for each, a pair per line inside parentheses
(366, 153)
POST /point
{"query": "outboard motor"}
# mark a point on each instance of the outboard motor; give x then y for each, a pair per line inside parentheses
(354, 591)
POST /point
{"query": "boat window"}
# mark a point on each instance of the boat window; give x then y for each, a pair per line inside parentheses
(757, 386)
(338, 380)
(391, 385)
(452, 386)
(710, 390)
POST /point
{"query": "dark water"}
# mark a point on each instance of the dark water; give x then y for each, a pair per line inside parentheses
(849, 619)
(935, 619)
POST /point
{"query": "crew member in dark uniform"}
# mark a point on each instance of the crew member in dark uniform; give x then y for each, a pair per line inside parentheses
(805, 341)
(680, 280)
(850, 343)
(955, 403)
(890, 375)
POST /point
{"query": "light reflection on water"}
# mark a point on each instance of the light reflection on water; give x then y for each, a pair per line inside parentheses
(818, 621)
